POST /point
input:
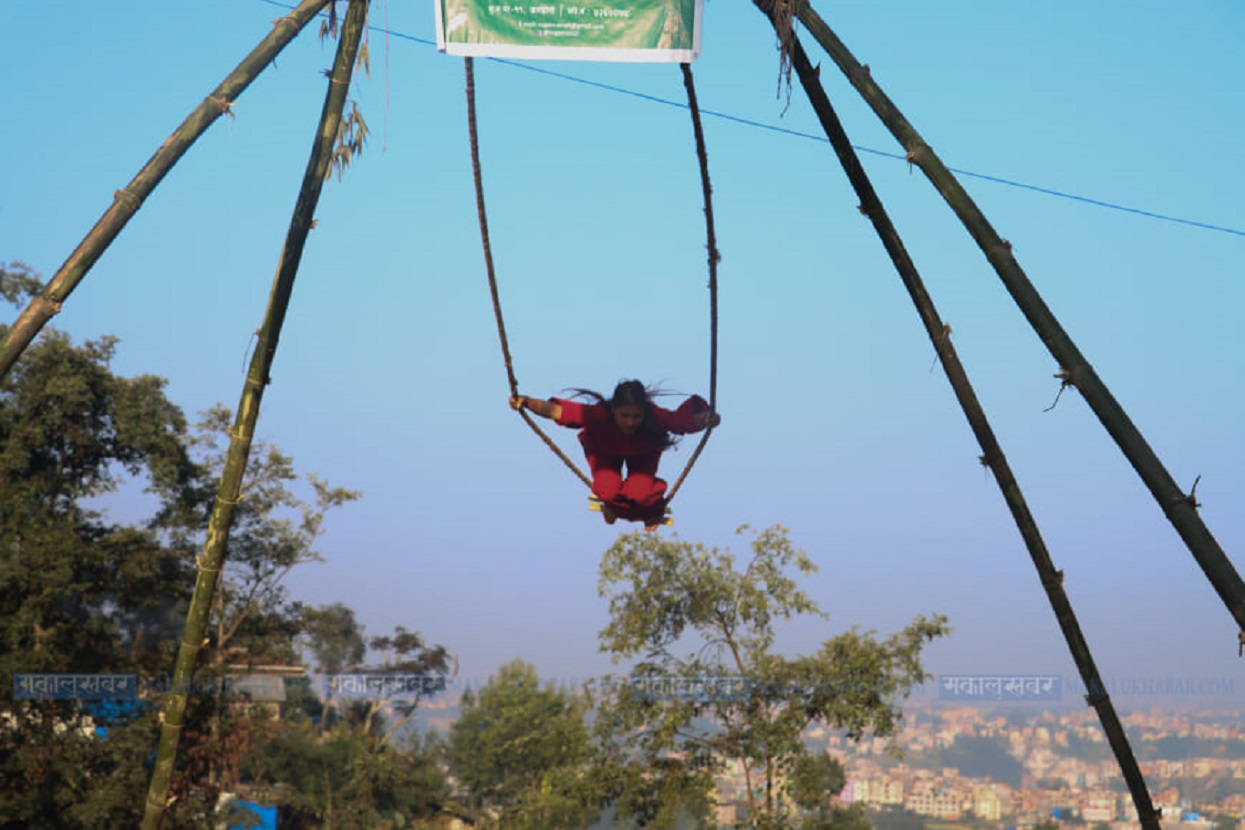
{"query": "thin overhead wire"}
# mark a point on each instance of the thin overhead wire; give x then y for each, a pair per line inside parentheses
(748, 122)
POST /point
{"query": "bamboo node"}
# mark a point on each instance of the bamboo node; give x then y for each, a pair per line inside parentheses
(1096, 699)
(123, 193)
(52, 305)
(1240, 652)
(199, 565)
(1191, 499)
(939, 343)
(226, 106)
(1004, 248)
(1066, 379)
(224, 500)
(916, 155)
(989, 459)
(1078, 374)
(1053, 581)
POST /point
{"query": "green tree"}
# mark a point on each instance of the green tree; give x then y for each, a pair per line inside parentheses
(519, 749)
(839, 817)
(1223, 821)
(816, 780)
(897, 818)
(334, 637)
(344, 778)
(339, 762)
(79, 593)
(730, 697)
(274, 531)
(82, 594)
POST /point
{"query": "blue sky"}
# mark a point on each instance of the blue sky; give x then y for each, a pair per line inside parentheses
(389, 377)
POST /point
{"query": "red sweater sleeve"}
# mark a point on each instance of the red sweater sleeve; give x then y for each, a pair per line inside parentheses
(682, 420)
(577, 414)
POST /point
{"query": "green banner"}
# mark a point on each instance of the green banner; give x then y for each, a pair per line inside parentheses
(592, 30)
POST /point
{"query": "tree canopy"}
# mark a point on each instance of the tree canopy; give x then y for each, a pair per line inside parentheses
(519, 749)
(707, 686)
(83, 594)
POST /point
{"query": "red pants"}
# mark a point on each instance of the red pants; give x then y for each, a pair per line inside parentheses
(640, 497)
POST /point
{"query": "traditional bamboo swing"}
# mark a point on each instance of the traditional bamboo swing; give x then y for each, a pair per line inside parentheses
(714, 258)
(1180, 508)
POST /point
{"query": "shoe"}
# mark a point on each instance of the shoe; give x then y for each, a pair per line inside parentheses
(608, 513)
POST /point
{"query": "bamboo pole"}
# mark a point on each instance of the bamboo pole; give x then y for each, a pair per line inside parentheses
(1179, 507)
(129, 199)
(212, 558)
(992, 453)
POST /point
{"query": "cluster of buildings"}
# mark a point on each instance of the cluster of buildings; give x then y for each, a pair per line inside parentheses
(1057, 781)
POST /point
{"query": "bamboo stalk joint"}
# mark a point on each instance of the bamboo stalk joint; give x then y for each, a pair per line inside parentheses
(1001, 250)
(50, 304)
(226, 106)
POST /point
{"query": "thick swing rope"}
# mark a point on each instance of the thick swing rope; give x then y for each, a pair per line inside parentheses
(713, 255)
(492, 274)
(712, 246)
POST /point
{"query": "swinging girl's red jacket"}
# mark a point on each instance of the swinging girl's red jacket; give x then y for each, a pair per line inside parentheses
(640, 495)
(601, 436)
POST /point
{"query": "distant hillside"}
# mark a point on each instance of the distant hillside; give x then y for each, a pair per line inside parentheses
(1173, 748)
(974, 757)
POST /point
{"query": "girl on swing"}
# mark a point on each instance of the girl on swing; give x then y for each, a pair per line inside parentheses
(626, 429)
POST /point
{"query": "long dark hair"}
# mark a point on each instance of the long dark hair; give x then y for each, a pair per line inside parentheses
(634, 393)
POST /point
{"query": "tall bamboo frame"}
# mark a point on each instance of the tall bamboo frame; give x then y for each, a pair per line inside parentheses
(229, 491)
